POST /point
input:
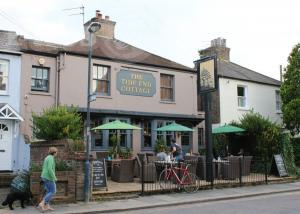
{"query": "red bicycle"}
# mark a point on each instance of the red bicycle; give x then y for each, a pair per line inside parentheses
(178, 177)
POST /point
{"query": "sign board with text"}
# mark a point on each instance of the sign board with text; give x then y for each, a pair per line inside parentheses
(99, 174)
(136, 83)
(278, 166)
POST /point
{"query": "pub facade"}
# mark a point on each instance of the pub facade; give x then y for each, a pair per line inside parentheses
(127, 83)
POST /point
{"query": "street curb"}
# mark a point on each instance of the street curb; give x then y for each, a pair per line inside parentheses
(167, 204)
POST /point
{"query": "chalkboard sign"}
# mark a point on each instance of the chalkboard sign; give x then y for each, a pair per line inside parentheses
(280, 166)
(99, 174)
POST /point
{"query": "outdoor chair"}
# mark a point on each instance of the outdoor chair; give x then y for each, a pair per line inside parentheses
(193, 162)
(246, 163)
(201, 167)
(231, 170)
(150, 174)
(122, 171)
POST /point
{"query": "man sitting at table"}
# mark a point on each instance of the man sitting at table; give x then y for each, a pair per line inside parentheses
(162, 155)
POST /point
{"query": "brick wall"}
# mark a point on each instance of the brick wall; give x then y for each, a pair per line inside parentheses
(39, 150)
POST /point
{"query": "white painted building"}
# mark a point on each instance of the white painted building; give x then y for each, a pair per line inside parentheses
(241, 89)
(14, 152)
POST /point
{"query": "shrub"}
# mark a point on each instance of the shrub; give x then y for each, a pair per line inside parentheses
(57, 123)
(288, 154)
(296, 147)
(60, 165)
(77, 145)
(262, 136)
(160, 146)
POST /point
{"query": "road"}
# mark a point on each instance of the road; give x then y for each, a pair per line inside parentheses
(287, 203)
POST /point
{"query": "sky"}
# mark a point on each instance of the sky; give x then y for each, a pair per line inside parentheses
(260, 33)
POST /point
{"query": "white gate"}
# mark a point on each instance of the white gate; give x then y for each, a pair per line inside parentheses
(5, 145)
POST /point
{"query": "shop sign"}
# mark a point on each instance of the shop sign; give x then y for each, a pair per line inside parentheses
(136, 83)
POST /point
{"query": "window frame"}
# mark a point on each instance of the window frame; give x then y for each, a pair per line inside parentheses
(172, 88)
(143, 147)
(278, 101)
(41, 79)
(244, 98)
(5, 76)
(107, 81)
(166, 136)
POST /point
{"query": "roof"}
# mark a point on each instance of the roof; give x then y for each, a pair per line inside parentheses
(30, 45)
(235, 71)
(111, 49)
(114, 49)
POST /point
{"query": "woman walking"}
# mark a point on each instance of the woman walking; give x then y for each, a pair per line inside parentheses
(48, 177)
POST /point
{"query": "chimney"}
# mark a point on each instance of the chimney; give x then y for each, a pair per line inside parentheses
(218, 48)
(107, 29)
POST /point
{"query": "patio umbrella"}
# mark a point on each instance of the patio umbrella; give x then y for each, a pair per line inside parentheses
(174, 127)
(116, 125)
(227, 129)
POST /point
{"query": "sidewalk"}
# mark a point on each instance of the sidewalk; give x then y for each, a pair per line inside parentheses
(163, 200)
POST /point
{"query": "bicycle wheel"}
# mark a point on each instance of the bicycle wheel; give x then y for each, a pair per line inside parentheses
(190, 183)
(165, 180)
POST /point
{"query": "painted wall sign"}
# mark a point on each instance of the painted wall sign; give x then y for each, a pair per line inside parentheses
(136, 83)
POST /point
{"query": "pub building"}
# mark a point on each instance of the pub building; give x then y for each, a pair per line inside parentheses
(129, 84)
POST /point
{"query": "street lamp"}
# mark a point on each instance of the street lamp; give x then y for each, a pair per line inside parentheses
(93, 27)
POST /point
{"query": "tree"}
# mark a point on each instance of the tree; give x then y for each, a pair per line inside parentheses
(290, 92)
(57, 123)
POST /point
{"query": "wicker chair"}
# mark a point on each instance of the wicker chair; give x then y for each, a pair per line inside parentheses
(231, 170)
(149, 169)
(123, 171)
(246, 163)
(193, 162)
(201, 167)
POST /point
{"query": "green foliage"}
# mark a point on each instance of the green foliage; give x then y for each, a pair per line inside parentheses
(220, 142)
(290, 92)
(35, 167)
(262, 136)
(125, 153)
(57, 123)
(288, 154)
(160, 146)
(60, 165)
(296, 148)
(77, 145)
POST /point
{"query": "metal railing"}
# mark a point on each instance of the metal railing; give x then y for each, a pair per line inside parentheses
(228, 172)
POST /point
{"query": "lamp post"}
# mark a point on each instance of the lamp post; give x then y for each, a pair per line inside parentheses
(93, 27)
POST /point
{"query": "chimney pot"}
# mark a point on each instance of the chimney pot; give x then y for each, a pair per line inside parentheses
(98, 15)
(107, 17)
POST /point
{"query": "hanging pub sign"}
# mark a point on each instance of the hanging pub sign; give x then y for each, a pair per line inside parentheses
(136, 83)
(207, 79)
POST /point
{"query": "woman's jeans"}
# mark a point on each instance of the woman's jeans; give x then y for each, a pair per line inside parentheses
(50, 188)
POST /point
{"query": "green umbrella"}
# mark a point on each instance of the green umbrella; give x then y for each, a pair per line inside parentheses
(116, 125)
(227, 129)
(175, 127)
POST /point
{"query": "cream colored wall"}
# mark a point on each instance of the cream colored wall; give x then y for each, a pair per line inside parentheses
(35, 101)
(73, 80)
(260, 98)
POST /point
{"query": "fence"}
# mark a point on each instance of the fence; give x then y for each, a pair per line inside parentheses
(229, 172)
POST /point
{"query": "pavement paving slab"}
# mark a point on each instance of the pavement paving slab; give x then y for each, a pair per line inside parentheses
(163, 200)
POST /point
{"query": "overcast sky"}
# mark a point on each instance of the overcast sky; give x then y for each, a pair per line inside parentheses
(260, 33)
